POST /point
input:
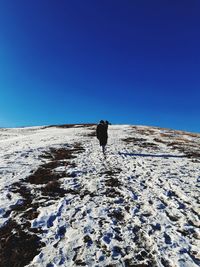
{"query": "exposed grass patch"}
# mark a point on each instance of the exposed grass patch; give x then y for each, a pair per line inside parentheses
(25, 192)
(190, 150)
(65, 126)
(134, 140)
(43, 176)
(112, 182)
(148, 144)
(146, 131)
(117, 214)
(20, 243)
(112, 193)
(18, 247)
(160, 141)
(141, 142)
(53, 189)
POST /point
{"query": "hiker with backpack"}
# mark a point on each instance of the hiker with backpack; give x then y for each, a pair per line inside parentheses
(102, 134)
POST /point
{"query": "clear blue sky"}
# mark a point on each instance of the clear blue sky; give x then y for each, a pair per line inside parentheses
(130, 61)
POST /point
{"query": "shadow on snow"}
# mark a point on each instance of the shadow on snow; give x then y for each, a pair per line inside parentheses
(151, 155)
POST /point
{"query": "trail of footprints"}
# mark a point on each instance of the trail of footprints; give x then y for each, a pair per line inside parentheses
(121, 210)
(123, 201)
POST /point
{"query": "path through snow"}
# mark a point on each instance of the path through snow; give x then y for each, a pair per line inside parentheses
(139, 206)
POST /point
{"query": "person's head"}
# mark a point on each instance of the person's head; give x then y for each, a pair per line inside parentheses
(101, 121)
(106, 122)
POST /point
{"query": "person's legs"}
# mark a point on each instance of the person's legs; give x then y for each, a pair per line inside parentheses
(103, 143)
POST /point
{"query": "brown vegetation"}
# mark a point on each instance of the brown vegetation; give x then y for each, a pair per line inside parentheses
(17, 246)
(19, 243)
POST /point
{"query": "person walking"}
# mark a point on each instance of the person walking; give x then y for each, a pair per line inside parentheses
(102, 134)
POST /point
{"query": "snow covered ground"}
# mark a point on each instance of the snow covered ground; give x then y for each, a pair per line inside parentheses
(63, 204)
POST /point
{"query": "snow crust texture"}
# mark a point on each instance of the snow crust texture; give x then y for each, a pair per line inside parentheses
(63, 203)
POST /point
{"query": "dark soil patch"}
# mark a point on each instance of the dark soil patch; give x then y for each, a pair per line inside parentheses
(77, 148)
(82, 194)
(73, 191)
(26, 195)
(31, 213)
(112, 182)
(193, 154)
(18, 247)
(165, 262)
(134, 140)
(141, 142)
(147, 144)
(56, 154)
(190, 150)
(87, 239)
(80, 263)
(174, 144)
(26, 206)
(117, 214)
(111, 173)
(53, 189)
(62, 153)
(145, 131)
(19, 243)
(112, 192)
(160, 141)
(43, 176)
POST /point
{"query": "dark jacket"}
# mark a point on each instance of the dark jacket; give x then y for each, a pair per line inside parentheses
(102, 133)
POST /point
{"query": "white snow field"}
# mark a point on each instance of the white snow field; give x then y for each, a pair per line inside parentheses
(63, 204)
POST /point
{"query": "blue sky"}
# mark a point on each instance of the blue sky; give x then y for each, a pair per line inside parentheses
(135, 62)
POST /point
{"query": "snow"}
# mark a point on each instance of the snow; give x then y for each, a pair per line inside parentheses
(139, 205)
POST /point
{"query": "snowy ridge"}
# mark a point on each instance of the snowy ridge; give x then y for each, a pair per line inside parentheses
(139, 206)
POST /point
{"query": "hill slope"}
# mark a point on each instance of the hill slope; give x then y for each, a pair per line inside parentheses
(64, 204)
